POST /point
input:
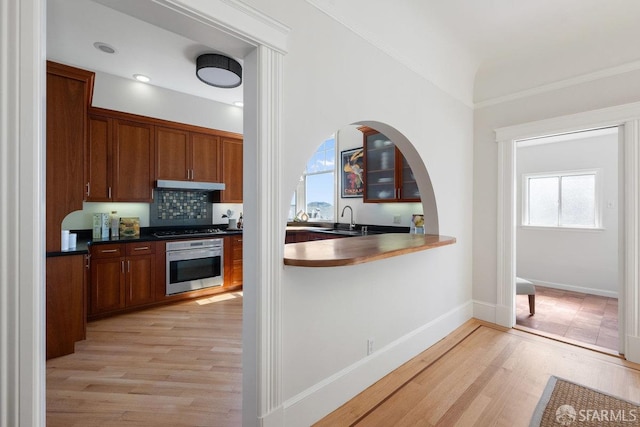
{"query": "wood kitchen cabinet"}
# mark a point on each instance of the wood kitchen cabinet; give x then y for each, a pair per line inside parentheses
(184, 155)
(388, 176)
(231, 170)
(69, 93)
(233, 275)
(122, 276)
(119, 160)
(66, 303)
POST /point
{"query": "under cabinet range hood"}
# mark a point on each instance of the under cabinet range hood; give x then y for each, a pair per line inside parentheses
(189, 185)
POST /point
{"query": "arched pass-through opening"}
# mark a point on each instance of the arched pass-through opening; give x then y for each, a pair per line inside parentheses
(427, 195)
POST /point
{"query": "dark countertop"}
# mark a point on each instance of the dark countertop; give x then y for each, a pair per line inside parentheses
(146, 235)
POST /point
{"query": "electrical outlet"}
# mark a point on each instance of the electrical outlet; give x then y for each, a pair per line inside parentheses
(396, 219)
(369, 346)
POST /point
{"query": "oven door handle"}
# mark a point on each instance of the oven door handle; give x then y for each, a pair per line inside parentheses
(193, 254)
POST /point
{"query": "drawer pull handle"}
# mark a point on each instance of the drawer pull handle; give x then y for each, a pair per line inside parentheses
(109, 251)
(141, 248)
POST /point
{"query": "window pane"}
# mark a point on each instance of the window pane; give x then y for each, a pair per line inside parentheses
(319, 193)
(292, 207)
(543, 201)
(324, 158)
(578, 200)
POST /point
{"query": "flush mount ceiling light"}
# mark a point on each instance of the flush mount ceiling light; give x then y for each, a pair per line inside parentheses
(104, 47)
(141, 78)
(218, 70)
(238, 104)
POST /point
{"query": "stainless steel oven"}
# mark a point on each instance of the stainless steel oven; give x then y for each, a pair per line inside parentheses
(194, 264)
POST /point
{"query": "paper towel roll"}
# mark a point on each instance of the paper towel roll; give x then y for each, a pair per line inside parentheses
(73, 240)
(65, 240)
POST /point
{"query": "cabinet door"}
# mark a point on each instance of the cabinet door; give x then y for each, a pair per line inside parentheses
(205, 158)
(379, 164)
(66, 317)
(68, 91)
(236, 249)
(133, 156)
(171, 154)
(408, 186)
(107, 285)
(140, 279)
(232, 170)
(98, 160)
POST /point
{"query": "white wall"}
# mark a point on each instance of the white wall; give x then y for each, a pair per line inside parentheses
(404, 303)
(572, 259)
(610, 91)
(130, 96)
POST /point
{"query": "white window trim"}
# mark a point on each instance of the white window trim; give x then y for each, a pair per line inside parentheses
(598, 226)
(301, 188)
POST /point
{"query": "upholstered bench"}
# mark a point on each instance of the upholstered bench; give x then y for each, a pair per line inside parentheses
(525, 287)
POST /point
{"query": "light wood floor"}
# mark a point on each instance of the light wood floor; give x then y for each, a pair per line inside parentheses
(180, 365)
(177, 365)
(482, 375)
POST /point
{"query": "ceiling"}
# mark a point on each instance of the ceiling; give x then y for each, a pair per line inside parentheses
(141, 48)
(562, 38)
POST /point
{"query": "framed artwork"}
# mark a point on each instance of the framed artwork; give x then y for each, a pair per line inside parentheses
(352, 173)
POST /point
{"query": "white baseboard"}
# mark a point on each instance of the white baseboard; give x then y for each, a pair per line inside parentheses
(583, 290)
(632, 350)
(324, 397)
(484, 311)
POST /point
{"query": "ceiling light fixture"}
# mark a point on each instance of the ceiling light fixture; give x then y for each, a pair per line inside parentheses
(218, 70)
(103, 47)
(238, 104)
(141, 78)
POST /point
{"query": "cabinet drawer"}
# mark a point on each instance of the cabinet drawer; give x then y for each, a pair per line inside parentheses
(107, 251)
(140, 248)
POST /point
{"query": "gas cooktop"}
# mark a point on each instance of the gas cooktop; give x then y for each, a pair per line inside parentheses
(188, 232)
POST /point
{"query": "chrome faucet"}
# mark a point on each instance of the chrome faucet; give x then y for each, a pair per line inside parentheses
(351, 224)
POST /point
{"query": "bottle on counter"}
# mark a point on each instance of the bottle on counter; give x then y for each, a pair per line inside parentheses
(239, 224)
(115, 224)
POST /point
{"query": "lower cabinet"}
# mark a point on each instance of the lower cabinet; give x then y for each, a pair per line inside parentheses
(122, 276)
(66, 303)
(233, 266)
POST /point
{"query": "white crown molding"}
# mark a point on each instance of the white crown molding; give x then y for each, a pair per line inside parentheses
(561, 84)
(247, 20)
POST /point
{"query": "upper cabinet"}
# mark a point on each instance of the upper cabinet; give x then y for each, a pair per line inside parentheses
(69, 93)
(388, 176)
(231, 170)
(120, 158)
(184, 155)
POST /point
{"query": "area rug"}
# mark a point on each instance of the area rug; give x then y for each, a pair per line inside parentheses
(564, 403)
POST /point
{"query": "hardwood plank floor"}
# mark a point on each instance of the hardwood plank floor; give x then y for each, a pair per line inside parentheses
(180, 365)
(484, 375)
(177, 365)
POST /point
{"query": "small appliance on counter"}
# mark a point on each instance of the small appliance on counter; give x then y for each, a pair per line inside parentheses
(130, 227)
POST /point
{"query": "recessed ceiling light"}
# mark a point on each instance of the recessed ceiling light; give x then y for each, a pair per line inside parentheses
(104, 47)
(239, 104)
(141, 78)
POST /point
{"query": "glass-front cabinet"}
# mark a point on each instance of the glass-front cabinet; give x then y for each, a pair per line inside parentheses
(388, 176)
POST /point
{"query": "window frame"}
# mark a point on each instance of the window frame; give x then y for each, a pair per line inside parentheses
(301, 188)
(598, 199)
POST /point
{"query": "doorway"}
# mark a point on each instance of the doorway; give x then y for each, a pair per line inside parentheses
(567, 217)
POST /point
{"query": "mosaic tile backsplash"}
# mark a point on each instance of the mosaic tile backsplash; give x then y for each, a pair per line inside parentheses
(172, 207)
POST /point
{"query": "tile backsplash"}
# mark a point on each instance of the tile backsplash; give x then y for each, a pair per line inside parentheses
(180, 207)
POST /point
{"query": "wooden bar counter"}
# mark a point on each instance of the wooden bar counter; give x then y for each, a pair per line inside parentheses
(361, 249)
